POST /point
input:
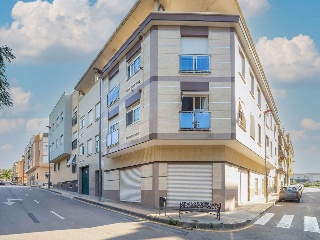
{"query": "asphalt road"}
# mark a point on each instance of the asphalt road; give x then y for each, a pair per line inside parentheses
(32, 213)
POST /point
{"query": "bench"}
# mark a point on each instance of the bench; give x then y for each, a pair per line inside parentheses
(200, 207)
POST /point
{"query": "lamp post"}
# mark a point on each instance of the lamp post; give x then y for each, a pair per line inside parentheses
(49, 128)
(265, 154)
(99, 71)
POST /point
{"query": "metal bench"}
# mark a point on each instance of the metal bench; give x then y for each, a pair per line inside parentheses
(200, 207)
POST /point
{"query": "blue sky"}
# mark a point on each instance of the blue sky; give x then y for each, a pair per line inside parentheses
(55, 41)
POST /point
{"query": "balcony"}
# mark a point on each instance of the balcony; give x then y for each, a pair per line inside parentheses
(281, 152)
(113, 138)
(196, 121)
(194, 63)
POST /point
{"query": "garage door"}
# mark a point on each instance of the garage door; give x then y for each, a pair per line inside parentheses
(189, 182)
(130, 185)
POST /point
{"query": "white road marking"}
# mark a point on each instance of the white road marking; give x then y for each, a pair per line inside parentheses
(311, 224)
(264, 219)
(27, 195)
(36, 201)
(285, 221)
(57, 214)
(9, 201)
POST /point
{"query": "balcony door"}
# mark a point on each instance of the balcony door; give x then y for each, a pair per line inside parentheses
(194, 113)
(194, 104)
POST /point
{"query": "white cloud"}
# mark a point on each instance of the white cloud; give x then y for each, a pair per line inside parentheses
(310, 124)
(279, 93)
(21, 102)
(254, 8)
(37, 125)
(6, 147)
(43, 31)
(289, 60)
(11, 125)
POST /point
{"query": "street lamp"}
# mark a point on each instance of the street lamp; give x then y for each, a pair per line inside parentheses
(265, 154)
(99, 71)
(49, 156)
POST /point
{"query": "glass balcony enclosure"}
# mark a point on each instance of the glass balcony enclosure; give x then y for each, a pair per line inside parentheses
(195, 120)
(113, 138)
(194, 63)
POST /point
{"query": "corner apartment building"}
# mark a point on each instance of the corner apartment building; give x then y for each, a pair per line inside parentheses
(64, 176)
(36, 159)
(187, 110)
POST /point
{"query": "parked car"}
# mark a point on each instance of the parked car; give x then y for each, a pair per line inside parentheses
(289, 193)
(2, 182)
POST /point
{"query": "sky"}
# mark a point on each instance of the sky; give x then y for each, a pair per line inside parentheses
(55, 41)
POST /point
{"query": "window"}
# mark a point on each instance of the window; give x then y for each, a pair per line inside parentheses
(256, 184)
(113, 95)
(74, 142)
(58, 121)
(134, 65)
(133, 114)
(61, 118)
(259, 134)
(58, 166)
(74, 118)
(194, 56)
(259, 97)
(61, 139)
(241, 118)
(52, 146)
(54, 168)
(57, 143)
(81, 149)
(243, 64)
(97, 143)
(195, 103)
(113, 132)
(37, 175)
(252, 127)
(82, 122)
(271, 149)
(252, 84)
(90, 117)
(97, 109)
(89, 147)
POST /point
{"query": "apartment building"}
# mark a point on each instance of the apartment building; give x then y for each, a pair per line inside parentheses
(36, 160)
(64, 176)
(18, 172)
(88, 140)
(187, 110)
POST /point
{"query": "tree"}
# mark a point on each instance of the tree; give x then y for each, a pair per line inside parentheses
(6, 173)
(5, 55)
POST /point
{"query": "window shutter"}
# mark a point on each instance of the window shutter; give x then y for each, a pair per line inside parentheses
(252, 126)
(194, 45)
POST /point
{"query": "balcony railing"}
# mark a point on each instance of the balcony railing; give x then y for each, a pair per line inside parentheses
(113, 138)
(195, 120)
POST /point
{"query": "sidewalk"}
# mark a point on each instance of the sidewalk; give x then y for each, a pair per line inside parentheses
(237, 218)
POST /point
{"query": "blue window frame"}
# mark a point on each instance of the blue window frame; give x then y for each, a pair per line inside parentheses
(194, 63)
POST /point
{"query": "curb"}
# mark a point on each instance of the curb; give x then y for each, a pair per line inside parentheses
(49, 190)
(172, 222)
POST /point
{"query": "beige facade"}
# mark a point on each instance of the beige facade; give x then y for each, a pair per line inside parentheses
(187, 111)
(36, 160)
(18, 172)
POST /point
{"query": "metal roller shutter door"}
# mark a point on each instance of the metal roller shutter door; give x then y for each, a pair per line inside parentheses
(243, 186)
(130, 185)
(189, 182)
